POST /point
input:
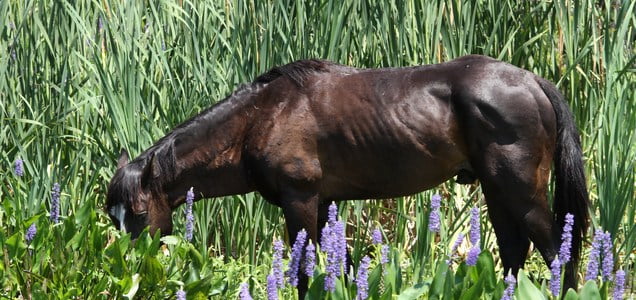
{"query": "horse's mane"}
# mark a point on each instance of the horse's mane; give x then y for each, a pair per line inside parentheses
(296, 71)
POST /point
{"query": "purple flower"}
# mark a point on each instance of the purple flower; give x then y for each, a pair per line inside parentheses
(310, 259)
(189, 215)
(376, 237)
(30, 234)
(296, 256)
(510, 287)
(474, 226)
(55, 203)
(566, 239)
(272, 289)
(384, 254)
(244, 292)
(334, 245)
(619, 285)
(595, 254)
(434, 222)
(460, 239)
(277, 264)
(333, 213)
(608, 257)
(473, 254)
(555, 281)
(362, 279)
(181, 295)
(19, 168)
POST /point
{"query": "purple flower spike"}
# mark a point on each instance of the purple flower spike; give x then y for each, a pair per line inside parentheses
(272, 289)
(473, 254)
(595, 254)
(296, 256)
(30, 234)
(384, 254)
(181, 295)
(376, 236)
(608, 257)
(434, 223)
(333, 213)
(334, 245)
(566, 239)
(458, 241)
(189, 215)
(510, 287)
(244, 292)
(277, 264)
(619, 285)
(310, 259)
(555, 281)
(55, 203)
(474, 226)
(19, 167)
(362, 279)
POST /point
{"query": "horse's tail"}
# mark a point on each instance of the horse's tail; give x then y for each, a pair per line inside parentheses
(570, 192)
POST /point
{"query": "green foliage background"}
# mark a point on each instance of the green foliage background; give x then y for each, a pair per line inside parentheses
(81, 79)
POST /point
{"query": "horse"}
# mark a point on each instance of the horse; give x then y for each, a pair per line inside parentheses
(312, 131)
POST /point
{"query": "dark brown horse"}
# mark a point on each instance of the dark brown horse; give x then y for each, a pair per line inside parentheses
(312, 132)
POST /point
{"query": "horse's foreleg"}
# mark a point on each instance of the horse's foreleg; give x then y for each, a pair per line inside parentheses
(301, 212)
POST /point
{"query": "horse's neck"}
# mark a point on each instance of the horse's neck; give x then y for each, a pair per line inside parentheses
(208, 154)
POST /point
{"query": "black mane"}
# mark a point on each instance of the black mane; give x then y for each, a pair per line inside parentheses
(296, 71)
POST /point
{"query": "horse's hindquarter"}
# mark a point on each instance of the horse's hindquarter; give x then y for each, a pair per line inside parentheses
(385, 133)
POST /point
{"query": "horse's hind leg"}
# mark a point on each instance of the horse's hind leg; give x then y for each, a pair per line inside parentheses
(514, 180)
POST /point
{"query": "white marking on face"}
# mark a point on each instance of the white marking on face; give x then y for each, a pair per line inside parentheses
(119, 212)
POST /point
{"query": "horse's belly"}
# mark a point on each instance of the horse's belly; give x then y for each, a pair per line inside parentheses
(397, 174)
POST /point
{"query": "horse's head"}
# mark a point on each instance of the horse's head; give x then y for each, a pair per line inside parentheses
(134, 198)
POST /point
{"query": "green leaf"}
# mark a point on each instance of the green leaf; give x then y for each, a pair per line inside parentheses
(571, 295)
(438, 284)
(526, 289)
(590, 291)
(316, 290)
(151, 272)
(414, 292)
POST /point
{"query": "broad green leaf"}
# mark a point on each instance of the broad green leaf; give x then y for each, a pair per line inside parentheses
(414, 292)
(590, 291)
(526, 289)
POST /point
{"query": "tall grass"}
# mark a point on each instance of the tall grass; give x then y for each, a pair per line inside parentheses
(80, 80)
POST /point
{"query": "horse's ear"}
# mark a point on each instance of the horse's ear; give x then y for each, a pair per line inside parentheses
(151, 170)
(123, 159)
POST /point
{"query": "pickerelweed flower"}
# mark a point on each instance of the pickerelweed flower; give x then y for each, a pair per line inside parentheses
(608, 257)
(30, 233)
(362, 279)
(434, 223)
(244, 292)
(473, 254)
(296, 256)
(310, 259)
(458, 241)
(566, 239)
(277, 264)
(19, 167)
(181, 295)
(272, 289)
(334, 245)
(384, 254)
(474, 234)
(555, 280)
(189, 215)
(510, 287)
(595, 254)
(55, 203)
(376, 237)
(619, 285)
